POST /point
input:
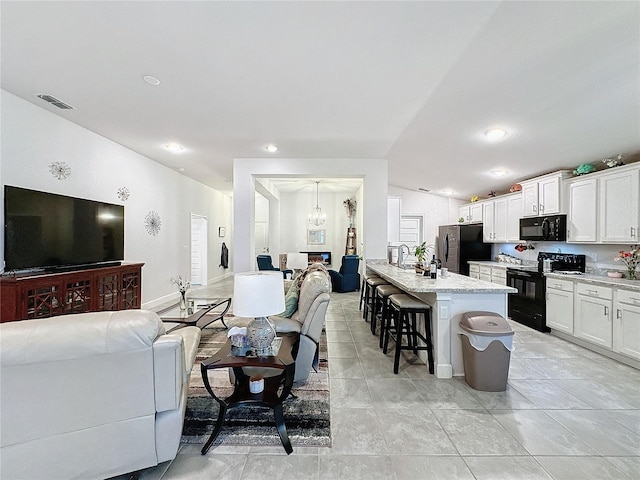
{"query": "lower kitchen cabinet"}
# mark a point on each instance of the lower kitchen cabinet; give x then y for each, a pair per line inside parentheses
(560, 305)
(592, 322)
(626, 325)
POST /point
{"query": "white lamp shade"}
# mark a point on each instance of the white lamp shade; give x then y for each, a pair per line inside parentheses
(258, 294)
(297, 261)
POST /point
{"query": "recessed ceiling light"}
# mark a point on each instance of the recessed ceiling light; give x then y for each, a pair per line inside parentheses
(499, 173)
(495, 133)
(174, 147)
(271, 148)
(151, 80)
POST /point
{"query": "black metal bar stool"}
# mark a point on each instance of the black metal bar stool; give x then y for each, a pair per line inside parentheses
(369, 295)
(365, 277)
(381, 306)
(403, 322)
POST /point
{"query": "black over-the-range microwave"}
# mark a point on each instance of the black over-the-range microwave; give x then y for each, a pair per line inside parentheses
(552, 228)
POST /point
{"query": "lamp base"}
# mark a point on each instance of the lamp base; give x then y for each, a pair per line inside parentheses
(261, 333)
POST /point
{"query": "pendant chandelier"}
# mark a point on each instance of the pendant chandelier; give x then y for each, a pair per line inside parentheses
(316, 217)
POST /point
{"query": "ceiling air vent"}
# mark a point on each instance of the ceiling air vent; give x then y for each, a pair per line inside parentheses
(423, 189)
(54, 101)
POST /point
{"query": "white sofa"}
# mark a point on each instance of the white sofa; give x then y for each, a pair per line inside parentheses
(91, 395)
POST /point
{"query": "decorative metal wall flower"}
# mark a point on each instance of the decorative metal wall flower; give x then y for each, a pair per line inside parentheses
(152, 223)
(123, 193)
(60, 170)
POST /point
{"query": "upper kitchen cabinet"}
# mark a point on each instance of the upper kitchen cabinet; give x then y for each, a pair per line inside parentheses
(604, 207)
(620, 205)
(514, 212)
(582, 211)
(543, 195)
(471, 213)
(501, 218)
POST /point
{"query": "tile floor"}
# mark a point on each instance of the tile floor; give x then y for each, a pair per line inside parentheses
(567, 414)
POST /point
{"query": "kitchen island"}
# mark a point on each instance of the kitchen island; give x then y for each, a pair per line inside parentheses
(450, 297)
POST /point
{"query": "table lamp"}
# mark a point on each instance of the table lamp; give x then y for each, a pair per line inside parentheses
(297, 262)
(257, 295)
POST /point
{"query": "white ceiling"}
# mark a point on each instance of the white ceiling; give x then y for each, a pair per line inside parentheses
(414, 82)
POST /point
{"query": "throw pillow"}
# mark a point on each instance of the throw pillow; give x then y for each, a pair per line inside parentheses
(290, 302)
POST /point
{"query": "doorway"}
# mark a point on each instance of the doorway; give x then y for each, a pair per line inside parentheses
(262, 238)
(199, 249)
(411, 231)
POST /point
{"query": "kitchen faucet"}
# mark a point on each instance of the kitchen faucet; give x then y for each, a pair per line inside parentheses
(401, 255)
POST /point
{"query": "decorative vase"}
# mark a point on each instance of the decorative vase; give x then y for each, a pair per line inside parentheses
(183, 300)
(261, 333)
(631, 273)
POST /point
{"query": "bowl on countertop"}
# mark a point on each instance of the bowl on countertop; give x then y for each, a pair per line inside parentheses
(614, 274)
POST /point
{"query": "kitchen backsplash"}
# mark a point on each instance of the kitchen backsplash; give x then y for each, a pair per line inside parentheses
(600, 258)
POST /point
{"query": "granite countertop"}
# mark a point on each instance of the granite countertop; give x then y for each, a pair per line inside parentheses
(409, 281)
(599, 280)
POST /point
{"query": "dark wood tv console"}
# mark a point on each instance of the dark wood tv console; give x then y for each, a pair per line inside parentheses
(40, 295)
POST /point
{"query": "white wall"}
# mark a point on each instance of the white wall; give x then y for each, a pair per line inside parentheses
(33, 138)
(435, 209)
(373, 202)
(295, 208)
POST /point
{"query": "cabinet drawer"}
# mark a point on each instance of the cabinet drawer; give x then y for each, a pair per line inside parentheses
(474, 268)
(499, 273)
(595, 291)
(629, 297)
(485, 270)
(556, 284)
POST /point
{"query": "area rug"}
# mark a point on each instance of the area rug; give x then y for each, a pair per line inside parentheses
(306, 417)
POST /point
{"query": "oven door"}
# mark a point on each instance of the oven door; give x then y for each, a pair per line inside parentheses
(528, 304)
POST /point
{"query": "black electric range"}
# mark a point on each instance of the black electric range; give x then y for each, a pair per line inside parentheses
(528, 305)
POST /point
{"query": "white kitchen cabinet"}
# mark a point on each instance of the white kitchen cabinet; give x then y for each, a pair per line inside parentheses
(514, 212)
(582, 215)
(593, 314)
(471, 213)
(474, 271)
(626, 324)
(485, 273)
(499, 275)
(620, 206)
(543, 195)
(494, 220)
(560, 305)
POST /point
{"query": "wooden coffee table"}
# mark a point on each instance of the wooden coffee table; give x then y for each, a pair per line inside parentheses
(276, 388)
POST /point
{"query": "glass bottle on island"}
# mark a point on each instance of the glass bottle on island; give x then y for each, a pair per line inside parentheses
(433, 268)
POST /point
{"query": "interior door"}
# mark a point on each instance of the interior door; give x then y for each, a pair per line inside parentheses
(199, 250)
(262, 239)
(411, 232)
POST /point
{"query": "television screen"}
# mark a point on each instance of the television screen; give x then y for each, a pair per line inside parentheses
(45, 230)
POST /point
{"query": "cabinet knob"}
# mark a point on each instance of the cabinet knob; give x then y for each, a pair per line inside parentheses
(633, 232)
(618, 314)
(606, 311)
(541, 208)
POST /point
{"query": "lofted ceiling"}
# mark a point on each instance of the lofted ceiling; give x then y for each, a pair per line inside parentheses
(415, 82)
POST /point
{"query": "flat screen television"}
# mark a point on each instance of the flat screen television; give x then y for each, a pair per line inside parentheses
(54, 232)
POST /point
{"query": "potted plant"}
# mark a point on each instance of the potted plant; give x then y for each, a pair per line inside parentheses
(421, 253)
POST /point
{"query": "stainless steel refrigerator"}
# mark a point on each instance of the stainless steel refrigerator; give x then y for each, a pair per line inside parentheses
(457, 244)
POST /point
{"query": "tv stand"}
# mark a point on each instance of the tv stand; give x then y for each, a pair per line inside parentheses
(92, 289)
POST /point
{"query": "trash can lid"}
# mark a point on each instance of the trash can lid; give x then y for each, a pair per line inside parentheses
(485, 323)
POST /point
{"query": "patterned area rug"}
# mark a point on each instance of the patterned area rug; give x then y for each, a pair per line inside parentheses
(306, 417)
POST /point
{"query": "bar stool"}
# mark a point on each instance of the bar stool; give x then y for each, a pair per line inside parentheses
(369, 295)
(404, 312)
(365, 277)
(381, 306)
